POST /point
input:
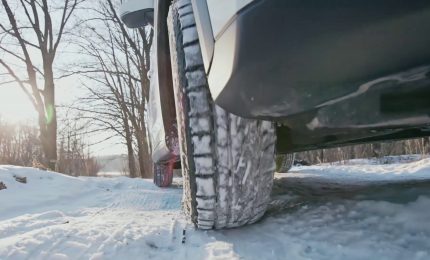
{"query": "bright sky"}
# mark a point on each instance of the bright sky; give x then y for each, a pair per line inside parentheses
(15, 107)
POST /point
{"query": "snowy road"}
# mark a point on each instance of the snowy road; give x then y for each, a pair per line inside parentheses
(357, 211)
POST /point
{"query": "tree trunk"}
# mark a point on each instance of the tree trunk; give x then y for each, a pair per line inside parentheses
(48, 122)
(321, 156)
(129, 142)
(131, 159)
(145, 162)
(426, 145)
(376, 150)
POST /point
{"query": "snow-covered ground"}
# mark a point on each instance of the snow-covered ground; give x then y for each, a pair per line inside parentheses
(357, 210)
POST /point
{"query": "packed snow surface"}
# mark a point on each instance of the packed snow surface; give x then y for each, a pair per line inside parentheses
(355, 210)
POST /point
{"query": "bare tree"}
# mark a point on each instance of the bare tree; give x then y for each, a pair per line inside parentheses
(137, 46)
(30, 36)
(118, 66)
(74, 155)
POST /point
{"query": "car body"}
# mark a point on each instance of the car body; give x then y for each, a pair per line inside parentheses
(329, 73)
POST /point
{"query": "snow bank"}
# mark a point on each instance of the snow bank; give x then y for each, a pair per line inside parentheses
(362, 171)
(41, 190)
(383, 160)
(46, 190)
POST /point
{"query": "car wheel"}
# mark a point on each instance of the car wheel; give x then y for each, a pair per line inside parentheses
(284, 162)
(227, 161)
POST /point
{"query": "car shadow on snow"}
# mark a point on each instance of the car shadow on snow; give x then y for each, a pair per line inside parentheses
(291, 193)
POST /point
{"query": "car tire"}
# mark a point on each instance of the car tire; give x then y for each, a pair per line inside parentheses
(227, 161)
(284, 162)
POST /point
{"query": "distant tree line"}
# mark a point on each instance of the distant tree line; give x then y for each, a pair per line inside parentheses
(420, 146)
(20, 145)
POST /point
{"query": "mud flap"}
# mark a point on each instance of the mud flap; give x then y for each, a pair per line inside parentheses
(163, 174)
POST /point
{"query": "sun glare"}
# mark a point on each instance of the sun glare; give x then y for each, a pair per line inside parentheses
(15, 106)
